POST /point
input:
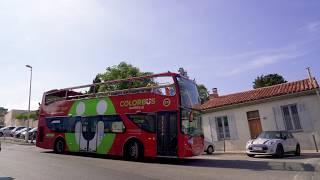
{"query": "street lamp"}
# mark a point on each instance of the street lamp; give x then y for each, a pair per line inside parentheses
(27, 132)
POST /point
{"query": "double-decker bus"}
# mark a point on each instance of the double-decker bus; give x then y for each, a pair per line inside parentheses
(149, 116)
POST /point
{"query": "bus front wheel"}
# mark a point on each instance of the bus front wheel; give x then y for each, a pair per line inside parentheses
(133, 151)
(59, 146)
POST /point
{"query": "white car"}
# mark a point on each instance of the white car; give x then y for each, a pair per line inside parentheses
(275, 143)
(208, 147)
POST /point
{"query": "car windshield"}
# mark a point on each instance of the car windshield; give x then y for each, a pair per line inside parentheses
(270, 135)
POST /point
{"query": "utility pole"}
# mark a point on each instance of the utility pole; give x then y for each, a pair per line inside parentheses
(314, 85)
(312, 82)
(27, 132)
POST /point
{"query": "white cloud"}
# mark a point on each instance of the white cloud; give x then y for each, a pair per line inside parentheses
(253, 60)
(313, 26)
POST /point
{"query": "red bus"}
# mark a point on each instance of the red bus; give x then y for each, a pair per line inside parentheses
(149, 116)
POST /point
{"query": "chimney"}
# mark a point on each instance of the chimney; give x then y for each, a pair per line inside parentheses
(214, 93)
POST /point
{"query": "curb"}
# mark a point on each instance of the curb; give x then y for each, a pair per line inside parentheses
(19, 143)
(15, 141)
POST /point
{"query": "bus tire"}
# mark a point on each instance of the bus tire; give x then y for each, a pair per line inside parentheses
(133, 151)
(59, 146)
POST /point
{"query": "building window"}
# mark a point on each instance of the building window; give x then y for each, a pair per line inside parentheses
(291, 117)
(223, 129)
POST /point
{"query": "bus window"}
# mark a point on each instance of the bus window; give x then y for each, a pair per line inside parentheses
(117, 127)
(55, 124)
(113, 124)
(144, 121)
(192, 127)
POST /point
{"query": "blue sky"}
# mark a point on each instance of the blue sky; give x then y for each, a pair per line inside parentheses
(223, 44)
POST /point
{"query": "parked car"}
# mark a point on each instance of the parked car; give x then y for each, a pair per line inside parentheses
(32, 134)
(18, 128)
(208, 147)
(6, 130)
(17, 134)
(275, 143)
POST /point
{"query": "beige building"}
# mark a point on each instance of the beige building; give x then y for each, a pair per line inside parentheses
(2, 114)
(231, 120)
(11, 120)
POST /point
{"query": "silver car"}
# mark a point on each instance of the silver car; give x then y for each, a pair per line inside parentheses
(18, 128)
(208, 147)
(5, 131)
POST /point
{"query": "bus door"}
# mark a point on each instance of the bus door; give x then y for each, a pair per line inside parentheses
(167, 133)
(89, 134)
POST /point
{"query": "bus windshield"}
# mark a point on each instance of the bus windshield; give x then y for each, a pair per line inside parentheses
(189, 93)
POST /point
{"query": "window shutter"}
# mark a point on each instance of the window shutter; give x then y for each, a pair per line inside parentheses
(278, 118)
(233, 127)
(213, 129)
(305, 118)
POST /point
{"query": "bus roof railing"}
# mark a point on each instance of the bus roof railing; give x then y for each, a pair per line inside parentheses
(116, 81)
(77, 95)
(107, 93)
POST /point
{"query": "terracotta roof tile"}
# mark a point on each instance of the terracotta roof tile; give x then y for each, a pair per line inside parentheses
(261, 93)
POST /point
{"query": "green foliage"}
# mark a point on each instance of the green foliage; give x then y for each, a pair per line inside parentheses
(120, 71)
(203, 93)
(268, 80)
(24, 116)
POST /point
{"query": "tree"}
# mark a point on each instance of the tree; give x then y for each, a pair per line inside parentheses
(124, 70)
(97, 79)
(268, 80)
(120, 71)
(24, 116)
(3, 111)
(203, 93)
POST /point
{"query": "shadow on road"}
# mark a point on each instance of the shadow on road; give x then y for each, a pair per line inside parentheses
(262, 165)
(251, 165)
(6, 178)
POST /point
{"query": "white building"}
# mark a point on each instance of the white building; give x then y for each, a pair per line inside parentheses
(11, 120)
(231, 120)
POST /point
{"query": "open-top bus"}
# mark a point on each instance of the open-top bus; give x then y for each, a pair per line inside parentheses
(149, 116)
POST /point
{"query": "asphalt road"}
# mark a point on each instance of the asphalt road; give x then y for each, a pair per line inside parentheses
(29, 162)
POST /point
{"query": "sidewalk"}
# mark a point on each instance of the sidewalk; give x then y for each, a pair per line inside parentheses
(244, 152)
(16, 141)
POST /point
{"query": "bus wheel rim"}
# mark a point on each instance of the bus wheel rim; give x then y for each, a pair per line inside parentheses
(134, 150)
(60, 146)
